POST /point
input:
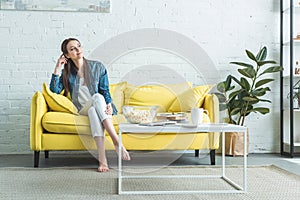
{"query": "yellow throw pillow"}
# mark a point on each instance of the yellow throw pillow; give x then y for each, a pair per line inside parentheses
(58, 102)
(192, 98)
(68, 95)
(178, 88)
(117, 94)
(149, 95)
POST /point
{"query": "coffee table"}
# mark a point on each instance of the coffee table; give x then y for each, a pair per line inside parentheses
(181, 129)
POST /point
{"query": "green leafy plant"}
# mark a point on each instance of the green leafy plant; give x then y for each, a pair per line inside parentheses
(296, 94)
(240, 96)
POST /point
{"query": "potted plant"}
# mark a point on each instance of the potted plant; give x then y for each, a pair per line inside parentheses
(296, 95)
(240, 96)
(296, 98)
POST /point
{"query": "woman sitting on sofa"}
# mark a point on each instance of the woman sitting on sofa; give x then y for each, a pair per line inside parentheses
(87, 82)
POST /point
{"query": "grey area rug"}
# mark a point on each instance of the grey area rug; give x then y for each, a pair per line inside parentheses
(264, 182)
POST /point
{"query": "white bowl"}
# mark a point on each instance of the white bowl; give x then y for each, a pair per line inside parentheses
(140, 114)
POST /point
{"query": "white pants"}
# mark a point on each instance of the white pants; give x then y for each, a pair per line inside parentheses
(95, 110)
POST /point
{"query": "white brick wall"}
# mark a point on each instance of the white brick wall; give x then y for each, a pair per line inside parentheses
(30, 42)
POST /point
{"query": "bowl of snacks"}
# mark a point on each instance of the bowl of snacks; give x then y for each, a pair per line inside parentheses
(139, 114)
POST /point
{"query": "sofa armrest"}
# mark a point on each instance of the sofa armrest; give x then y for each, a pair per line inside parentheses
(37, 110)
(211, 104)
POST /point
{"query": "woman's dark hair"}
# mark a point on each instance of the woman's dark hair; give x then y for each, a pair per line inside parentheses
(70, 68)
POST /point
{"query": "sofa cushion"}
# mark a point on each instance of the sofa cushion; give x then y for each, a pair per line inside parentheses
(58, 102)
(161, 95)
(62, 122)
(117, 94)
(192, 98)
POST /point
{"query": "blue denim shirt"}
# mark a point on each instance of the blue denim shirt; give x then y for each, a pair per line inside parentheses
(99, 84)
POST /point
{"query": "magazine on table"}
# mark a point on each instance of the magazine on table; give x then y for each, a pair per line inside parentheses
(158, 123)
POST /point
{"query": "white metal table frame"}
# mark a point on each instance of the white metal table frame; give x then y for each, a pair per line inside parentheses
(203, 128)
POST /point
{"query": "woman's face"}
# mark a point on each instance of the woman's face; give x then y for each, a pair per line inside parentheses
(75, 51)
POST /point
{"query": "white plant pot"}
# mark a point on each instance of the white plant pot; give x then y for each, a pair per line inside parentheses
(296, 104)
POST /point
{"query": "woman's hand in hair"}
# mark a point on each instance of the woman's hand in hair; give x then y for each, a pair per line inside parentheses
(60, 61)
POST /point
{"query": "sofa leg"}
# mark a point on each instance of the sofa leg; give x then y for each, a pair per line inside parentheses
(213, 157)
(196, 152)
(36, 158)
(46, 154)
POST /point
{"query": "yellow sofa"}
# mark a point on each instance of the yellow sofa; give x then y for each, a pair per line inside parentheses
(55, 124)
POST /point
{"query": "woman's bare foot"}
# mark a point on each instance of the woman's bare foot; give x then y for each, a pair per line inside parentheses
(103, 167)
(125, 154)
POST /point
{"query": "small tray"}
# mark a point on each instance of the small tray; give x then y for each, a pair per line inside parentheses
(172, 117)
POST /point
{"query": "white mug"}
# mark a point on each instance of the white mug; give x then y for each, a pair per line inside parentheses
(197, 115)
